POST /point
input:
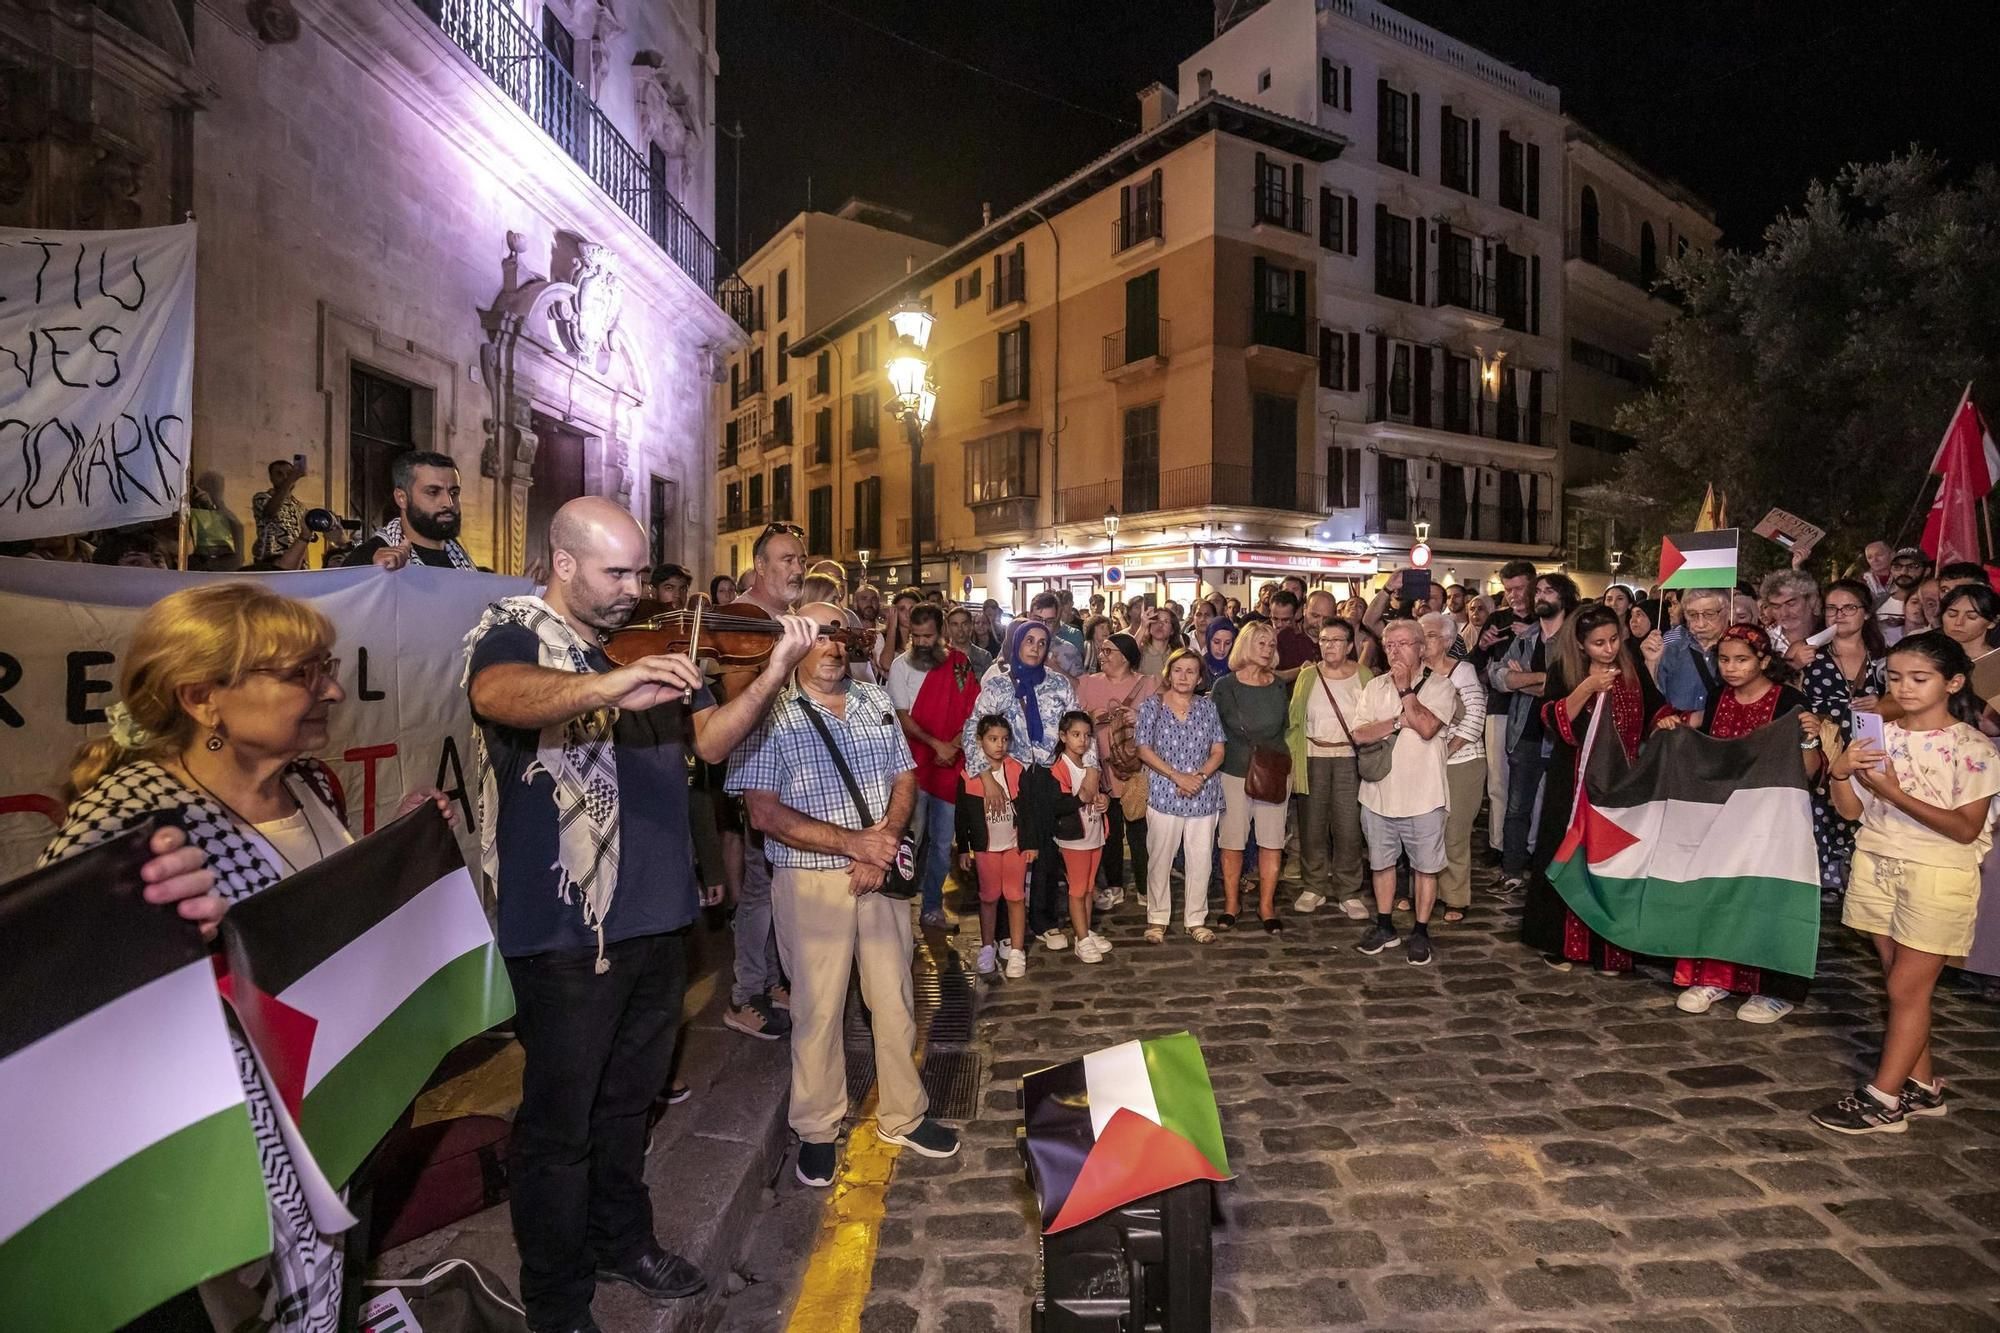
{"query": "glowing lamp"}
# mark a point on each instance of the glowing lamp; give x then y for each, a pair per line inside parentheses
(906, 375)
(913, 322)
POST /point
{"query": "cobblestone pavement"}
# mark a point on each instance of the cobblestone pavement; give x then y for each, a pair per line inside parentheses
(1488, 1144)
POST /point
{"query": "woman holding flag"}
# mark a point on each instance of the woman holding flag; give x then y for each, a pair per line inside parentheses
(1754, 696)
(1592, 668)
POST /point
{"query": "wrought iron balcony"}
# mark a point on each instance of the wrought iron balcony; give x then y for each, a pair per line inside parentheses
(1619, 262)
(498, 40)
(1280, 206)
(1138, 344)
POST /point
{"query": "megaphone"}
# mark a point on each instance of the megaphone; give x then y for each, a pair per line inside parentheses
(325, 520)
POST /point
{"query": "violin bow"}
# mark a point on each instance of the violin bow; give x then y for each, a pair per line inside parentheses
(694, 646)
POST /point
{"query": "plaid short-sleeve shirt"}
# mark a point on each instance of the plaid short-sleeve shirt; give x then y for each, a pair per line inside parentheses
(785, 755)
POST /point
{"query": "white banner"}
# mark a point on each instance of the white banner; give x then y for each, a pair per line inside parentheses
(96, 377)
(404, 723)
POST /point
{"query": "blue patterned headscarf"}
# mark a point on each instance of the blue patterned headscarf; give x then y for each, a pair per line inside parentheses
(1028, 679)
(1217, 667)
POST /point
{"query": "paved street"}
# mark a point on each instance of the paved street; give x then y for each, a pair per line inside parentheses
(1487, 1144)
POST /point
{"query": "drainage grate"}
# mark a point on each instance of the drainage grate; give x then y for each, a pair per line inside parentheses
(946, 999)
(951, 1078)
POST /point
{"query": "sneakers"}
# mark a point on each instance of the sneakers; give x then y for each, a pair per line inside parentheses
(1109, 898)
(1378, 938)
(1309, 902)
(758, 1019)
(1088, 950)
(1103, 945)
(816, 1163)
(935, 919)
(1862, 1112)
(1355, 910)
(1017, 964)
(1763, 1009)
(1512, 884)
(1054, 939)
(1920, 1100)
(1698, 999)
(1417, 949)
(928, 1138)
(780, 997)
(988, 960)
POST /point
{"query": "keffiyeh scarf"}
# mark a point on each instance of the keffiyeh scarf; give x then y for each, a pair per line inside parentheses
(581, 760)
(391, 534)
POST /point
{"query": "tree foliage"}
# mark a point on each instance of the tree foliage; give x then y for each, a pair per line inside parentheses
(1818, 373)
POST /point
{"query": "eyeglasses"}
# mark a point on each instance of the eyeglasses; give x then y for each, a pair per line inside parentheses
(1845, 609)
(308, 675)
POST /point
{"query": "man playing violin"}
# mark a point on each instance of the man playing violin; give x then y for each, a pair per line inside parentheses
(588, 842)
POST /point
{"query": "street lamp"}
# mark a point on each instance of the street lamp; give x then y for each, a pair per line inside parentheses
(914, 404)
(1617, 562)
(1110, 535)
(864, 553)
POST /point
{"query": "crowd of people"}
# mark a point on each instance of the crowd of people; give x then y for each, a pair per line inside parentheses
(1297, 754)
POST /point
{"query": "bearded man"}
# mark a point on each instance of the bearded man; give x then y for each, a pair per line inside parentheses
(426, 526)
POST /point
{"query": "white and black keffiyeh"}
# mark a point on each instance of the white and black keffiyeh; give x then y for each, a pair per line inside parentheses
(391, 534)
(305, 1264)
(581, 760)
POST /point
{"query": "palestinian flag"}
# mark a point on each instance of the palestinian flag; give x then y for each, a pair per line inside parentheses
(1702, 849)
(1118, 1125)
(131, 1171)
(1698, 559)
(354, 978)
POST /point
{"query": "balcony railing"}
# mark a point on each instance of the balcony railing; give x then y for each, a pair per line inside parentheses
(1619, 262)
(1273, 328)
(1486, 419)
(1468, 292)
(736, 520)
(740, 303)
(997, 391)
(1137, 343)
(498, 40)
(1129, 229)
(1280, 206)
(1467, 523)
(1222, 484)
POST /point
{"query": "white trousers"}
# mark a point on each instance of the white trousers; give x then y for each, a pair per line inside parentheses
(1496, 776)
(1194, 835)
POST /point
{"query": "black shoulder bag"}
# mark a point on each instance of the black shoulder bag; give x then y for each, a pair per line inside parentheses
(900, 880)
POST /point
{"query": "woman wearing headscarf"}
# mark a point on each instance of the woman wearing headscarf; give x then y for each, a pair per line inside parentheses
(1033, 697)
(1216, 645)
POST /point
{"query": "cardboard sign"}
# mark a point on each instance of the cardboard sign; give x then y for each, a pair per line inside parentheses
(1789, 531)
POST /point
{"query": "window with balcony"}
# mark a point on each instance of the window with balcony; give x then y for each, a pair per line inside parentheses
(1274, 451)
(1392, 488)
(867, 423)
(822, 373)
(1515, 299)
(1508, 407)
(1395, 127)
(732, 442)
(1394, 246)
(1458, 393)
(1003, 467)
(1339, 359)
(784, 292)
(1343, 477)
(1010, 380)
(1459, 280)
(781, 419)
(1401, 394)
(1520, 175)
(1142, 318)
(1279, 197)
(1458, 151)
(753, 380)
(784, 362)
(1010, 277)
(819, 521)
(1139, 210)
(1278, 305)
(732, 506)
(781, 494)
(756, 514)
(1336, 84)
(868, 513)
(1141, 457)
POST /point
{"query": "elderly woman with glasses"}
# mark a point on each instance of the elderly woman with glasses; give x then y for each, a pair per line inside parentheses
(1792, 597)
(226, 689)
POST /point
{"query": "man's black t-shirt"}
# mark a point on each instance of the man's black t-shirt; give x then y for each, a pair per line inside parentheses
(656, 880)
(434, 556)
(1504, 620)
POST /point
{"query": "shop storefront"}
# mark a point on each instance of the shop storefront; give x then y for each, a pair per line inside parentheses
(1184, 571)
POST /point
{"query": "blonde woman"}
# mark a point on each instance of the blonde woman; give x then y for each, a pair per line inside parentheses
(1255, 707)
(226, 688)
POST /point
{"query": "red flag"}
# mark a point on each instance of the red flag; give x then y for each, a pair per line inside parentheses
(1968, 445)
(1952, 530)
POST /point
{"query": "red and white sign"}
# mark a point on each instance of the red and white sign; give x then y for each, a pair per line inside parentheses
(1420, 556)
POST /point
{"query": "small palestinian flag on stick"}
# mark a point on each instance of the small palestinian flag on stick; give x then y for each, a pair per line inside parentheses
(1698, 559)
(131, 1170)
(1118, 1125)
(354, 978)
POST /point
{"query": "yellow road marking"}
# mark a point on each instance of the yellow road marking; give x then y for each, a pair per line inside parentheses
(841, 1271)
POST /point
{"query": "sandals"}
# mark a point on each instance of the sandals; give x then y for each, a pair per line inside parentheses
(1156, 934)
(1225, 921)
(1202, 934)
(1453, 915)
(1405, 905)
(1272, 925)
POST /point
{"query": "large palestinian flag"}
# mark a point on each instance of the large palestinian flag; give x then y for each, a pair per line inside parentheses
(1699, 559)
(355, 977)
(1119, 1124)
(1702, 849)
(130, 1171)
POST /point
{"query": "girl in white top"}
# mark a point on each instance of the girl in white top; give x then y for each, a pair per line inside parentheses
(1076, 773)
(1926, 812)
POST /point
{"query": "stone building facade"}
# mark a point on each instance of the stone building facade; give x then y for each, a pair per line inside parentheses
(474, 226)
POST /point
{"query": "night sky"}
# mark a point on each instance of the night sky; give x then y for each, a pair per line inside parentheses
(1744, 103)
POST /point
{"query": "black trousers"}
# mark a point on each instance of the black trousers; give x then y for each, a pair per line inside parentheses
(1133, 833)
(598, 1047)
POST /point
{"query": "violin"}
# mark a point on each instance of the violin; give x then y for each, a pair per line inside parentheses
(738, 637)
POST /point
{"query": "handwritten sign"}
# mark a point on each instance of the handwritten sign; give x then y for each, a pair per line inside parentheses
(1789, 530)
(96, 377)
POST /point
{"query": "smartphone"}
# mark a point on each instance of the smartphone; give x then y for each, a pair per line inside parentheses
(298, 465)
(1417, 590)
(1868, 727)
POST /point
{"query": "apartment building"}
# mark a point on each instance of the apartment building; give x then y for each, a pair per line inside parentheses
(776, 418)
(1438, 290)
(1623, 225)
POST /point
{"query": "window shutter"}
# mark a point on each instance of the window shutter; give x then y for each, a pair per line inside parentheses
(1328, 213)
(1125, 205)
(1423, 389)
(1447, 270)
(1159, 202)
(1353, 225)
(1381, 120)
(1353, 363)
(1416, 133)
(1257, 284)
(1534, 407)
(1329, 88)
(1299, 307)
(1381, 377)
(1019, 291)
(1420, 233)
(1533, 170)
(1262, 163)
(1475, 157)
(1346, 88)
(1444, 143)
(735, 387)
(1381, 249)
(1298, 196)
(1535, 294)
(1326, 358)
(1026, 362)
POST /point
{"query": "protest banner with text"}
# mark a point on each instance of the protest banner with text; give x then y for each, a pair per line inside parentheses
(96, 377)
(403, 725)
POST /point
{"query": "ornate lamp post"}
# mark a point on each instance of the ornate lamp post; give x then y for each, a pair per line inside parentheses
(915, 401)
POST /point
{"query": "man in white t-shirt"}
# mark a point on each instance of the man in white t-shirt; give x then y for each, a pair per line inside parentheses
(1405, 811)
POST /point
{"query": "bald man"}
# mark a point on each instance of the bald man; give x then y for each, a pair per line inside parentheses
(597, 890)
